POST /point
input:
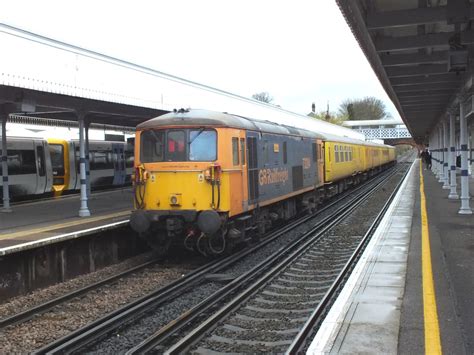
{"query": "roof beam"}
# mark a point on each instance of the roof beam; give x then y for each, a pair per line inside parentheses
(438, 78)
(423, 100)
(421, 110)
(415, 70)
(378, 20)
(426, 87)
(387, 44)
(425, 105)
(425, 94)
(414, 58)
(410, 17)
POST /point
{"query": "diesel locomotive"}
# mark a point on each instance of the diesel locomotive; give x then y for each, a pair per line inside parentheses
(210, 180)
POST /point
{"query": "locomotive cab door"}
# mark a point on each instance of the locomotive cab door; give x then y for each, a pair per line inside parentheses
(252, 167)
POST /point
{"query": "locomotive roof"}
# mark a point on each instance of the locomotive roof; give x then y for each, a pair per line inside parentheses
(222, 119)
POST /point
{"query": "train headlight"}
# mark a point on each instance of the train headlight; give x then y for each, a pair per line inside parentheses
(175, 199)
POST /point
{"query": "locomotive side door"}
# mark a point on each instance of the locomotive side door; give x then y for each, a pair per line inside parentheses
(252, 167)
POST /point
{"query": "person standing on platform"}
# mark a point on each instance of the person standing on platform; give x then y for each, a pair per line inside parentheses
(428, 159)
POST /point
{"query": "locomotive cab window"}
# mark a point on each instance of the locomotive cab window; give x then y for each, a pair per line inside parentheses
(203, 145)
(178, 145)
(235, 151)
(175, 146)
(152, 143)
(242, 150)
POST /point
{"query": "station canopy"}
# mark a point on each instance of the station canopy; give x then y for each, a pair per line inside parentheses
(420, 51)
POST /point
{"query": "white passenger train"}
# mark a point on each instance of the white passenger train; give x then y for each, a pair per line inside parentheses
(38, 166)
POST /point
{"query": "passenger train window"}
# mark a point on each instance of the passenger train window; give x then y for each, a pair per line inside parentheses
(101, 160)
(336, 153)
(235, 151)
(20, 162)
(203, 145)
(242, 150)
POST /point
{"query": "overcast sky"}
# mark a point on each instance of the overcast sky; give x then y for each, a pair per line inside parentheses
(300, 51)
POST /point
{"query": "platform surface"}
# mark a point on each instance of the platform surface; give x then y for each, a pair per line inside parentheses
(381, 308)
(46, 219)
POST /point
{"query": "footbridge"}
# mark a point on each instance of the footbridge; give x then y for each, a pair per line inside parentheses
(392, 131)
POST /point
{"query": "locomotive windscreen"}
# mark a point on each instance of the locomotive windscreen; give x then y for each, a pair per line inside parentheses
(178, 145)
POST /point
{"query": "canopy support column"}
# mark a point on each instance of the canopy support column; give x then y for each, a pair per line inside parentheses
(6, 191)
(453, 195)
(465, 208)
(88, 173)
(84, 210)
(445, 156)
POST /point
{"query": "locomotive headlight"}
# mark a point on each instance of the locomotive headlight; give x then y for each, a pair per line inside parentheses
(175, 199)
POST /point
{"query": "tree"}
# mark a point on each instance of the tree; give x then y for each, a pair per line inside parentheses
(327, 116)
(368, 108)
(263, 96)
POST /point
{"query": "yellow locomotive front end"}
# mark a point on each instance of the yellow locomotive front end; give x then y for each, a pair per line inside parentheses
(183, 185)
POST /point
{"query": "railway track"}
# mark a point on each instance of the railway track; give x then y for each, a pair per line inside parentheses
(280, 310)
(39, 309)
(209, 277)
(272, 310)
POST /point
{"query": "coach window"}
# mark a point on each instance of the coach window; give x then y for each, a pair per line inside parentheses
(347, 153)
(175, 146)
(242, 150)
(202, 145)
(336, 153)
(20, 162)
(152, 146)
(235, 151)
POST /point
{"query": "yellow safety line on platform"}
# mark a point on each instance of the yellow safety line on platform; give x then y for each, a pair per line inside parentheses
(62, 225)
(430, 311)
